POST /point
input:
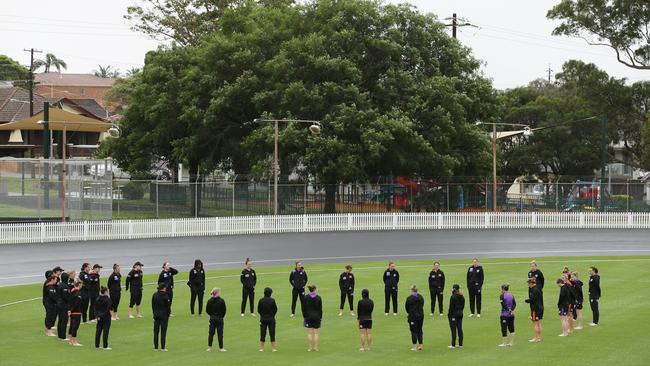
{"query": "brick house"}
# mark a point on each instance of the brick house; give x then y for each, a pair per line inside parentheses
(75, 86)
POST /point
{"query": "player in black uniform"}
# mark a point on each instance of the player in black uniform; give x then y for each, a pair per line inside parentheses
(63, 303)
(455, 316)
(267, 309)
(346, 285)
(93, 291)
(391, 281)
(364, 319)
(115, 290)
(197, 285)
(594, 294)
(536, 308)
(134, 284)
(415, 309)
(578, 298)
(75, 312)
(298, 281)
(248, 279)
(563, 305)
(166, 277)
(84, 277)
(50, 299)
(537, 274)
(568, 283)
(436, 287)
(475, 277)
(216, 308)
(161, 308)
(312, 312)
(103, 314)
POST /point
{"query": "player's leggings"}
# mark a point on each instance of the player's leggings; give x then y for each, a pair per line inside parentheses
(247, 293)
(350, 296)
(415, 326)
(456, 325)
(475, 300)
(388, 295)
(297, 293)
(593, 303)
(436, 293)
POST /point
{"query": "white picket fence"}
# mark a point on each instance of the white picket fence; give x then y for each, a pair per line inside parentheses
(50, 232)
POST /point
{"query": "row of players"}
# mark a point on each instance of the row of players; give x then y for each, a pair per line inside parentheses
(64, 297)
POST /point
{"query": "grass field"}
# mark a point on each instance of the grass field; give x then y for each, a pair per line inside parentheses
(621, 339)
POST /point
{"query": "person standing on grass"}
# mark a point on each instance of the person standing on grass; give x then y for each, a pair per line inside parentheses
(391, 281)
(563, 305)
(536, 302)
(578, 296)
(216, 308)
(364, 319)
(93, 291)
(267, 309)
(161, 307)
(166, 277)
(75, 312)
(346, 285)
(312, 312)
(568, 283)
(103, 316)
(63, 303)
(508, 305)
(415, 316)
(50, 299)
(475, 278)
(455, 316)
(594, 294)
(134, 284)
(197, 285)
(298, 281)
(537, 274)
(115, 290)
(248, 280)
(84, 276)
(436, 287)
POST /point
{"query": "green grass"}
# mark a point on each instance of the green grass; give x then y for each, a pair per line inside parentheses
(621, 339)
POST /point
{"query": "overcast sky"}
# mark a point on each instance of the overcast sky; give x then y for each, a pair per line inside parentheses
(513, 37)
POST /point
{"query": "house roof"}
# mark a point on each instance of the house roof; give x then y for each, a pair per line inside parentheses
(55, 78)
(14, 104)
(89, 105)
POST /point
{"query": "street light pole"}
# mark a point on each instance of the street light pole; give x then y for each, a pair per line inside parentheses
(275, 167)
(494, 167)
(314, 128)
(526, 132)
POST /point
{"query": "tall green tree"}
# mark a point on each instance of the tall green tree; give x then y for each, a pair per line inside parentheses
(622, 25)
(50, 61)
(10, 69)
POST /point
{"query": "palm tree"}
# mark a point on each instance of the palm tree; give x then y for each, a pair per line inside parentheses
(50, 61)
(107, 72)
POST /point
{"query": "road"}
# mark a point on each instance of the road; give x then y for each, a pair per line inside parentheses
(27, 263)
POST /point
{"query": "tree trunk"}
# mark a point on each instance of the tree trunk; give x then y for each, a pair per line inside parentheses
(330, 199)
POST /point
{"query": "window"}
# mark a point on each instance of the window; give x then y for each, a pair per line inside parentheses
(82, 91)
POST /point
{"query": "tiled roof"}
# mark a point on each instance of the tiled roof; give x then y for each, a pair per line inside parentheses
(55, 78)
(91, 106)
(14, 104)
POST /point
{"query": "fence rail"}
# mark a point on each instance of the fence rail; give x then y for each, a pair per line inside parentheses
(51, 232)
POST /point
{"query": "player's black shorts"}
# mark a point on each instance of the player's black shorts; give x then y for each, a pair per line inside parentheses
(507, 325)
(312, 323)
(365, 324)
(537, 315)
(136, 298)
(578, 305)
(563, 311)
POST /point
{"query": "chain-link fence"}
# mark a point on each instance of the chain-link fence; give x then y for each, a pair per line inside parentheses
(157, 199)
(48, 190)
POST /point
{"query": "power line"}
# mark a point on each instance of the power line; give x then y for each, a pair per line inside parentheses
(72, 33)
(57, 20)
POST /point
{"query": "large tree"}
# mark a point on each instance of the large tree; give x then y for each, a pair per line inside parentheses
(622, 25)
(11, 70)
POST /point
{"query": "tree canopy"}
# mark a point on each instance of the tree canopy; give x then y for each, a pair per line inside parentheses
(11, 70)
(395, 94)
(622, 25)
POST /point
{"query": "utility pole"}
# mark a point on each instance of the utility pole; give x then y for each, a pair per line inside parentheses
(31, 79)
(549, 73)
(455, 25)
